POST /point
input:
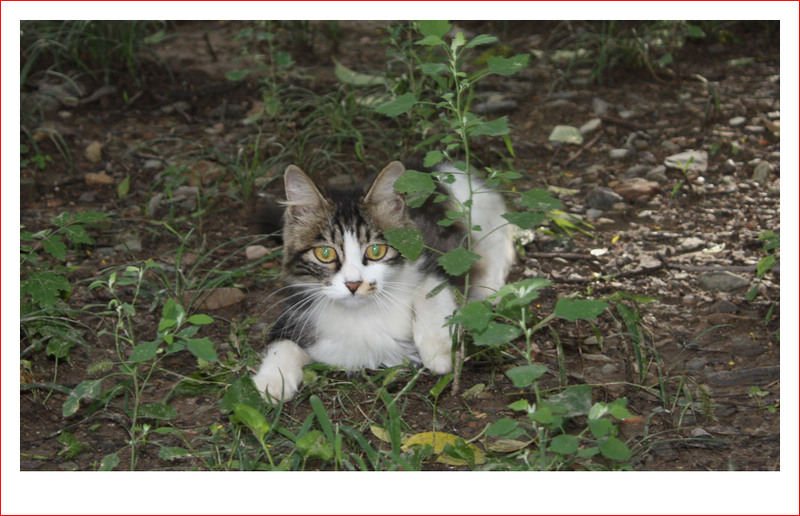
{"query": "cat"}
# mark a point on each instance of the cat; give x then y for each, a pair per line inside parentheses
(355, 302)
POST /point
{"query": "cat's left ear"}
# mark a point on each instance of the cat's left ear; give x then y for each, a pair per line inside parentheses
(382, 191)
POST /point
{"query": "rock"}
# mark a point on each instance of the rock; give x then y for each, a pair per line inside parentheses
(600, 106)
(693, 161)
(635, 188)
(602, 198)
(658, 174)
(495, 106)
(724, 307)
(98, 179)
(151, 164)
(647, 261)
(744, 347)
(755, 129)
(94, 152)
(696, 363)
(722, 281)
(133, 245)
(737, 121)
(636, 170)
(254, 252)
(669, 145)
(591, 126)
(608, 369)
(618, 153)
(690, 244)
(745, 377)
(594, 213)
(761, 172)
(214, 298)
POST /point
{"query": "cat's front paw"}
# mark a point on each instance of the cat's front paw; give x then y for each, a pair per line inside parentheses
(281, 372)
(440, 364)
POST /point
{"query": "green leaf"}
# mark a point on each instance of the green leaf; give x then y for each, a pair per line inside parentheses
(90, 217)
(482, 39)
(600, 427)
(434, 69)
(505, 428)
(496, 127)
(157, 411)
(353, 78)
(88, 389)
(564, 444)
(496, 334)
(575, 400)
(408, 241)
(237, 75)
(144, 352)
(525, 219)
(109, 462)
(123, 187)
(430, 41)
(55, 247)
(539, 199)
(441, 385)
(397, 106)
(523, 376)
(574, 309)
(202, 348)
(615, 449)
(765, 264)
(242, 391)
(433, 158)
(694, 31)
(315, 445)
(474, 316)
(77, 234)
(458, 261)
(172, 452)
(437, 28)
(566, 134)
(417, 187)
(200, 319)
(252, 419)
(507, 65)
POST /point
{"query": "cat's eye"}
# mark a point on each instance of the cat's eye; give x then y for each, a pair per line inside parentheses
(376, 251)
(325, 254)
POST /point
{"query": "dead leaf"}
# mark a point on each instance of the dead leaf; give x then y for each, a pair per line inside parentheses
(98, 179)
(214, 298)
(94, 152)
(438, 440)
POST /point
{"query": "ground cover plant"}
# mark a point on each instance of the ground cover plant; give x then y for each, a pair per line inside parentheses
(148, 283)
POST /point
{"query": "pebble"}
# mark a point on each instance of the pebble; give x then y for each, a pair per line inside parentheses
(722, 281)
(742, 346)
(594, 213)
(636, 170)
(724, 307)
(494, 106)
(699, 161)
(214, 298)
(94, 152)
(696, 363)
(761, 172)
(737, 121)
(591, 126)
(602, 198)
(98, 179)
(254, 252)
(755, 129)
(636, 188)
(151, 164)
(600, 106)
(658, 174)
(690, 244)
(618, 153)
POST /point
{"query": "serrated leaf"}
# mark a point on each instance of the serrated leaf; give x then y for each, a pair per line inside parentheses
(566, 134)
(496, 334)
(144, 351)
(416, 186)
(88, 389)
(574, 309)
(458, 261)
(242, 392)
(437, 28)
(408, 241)
(496, 127)
(109, 462)
(474, 316)
(575, 400)
(157, 411)
(202, 348)
(433, 158)
(397, 106)
(539, 199)
(439, 440)
(55, 247)
(523, 376)
(507, 65)
(525, 219)
(315, 445)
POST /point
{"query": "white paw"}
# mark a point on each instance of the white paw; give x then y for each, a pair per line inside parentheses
(435, 354)
(440, 364)
(281, 372)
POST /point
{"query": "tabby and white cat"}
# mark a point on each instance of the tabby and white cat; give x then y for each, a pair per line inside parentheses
(355, 301)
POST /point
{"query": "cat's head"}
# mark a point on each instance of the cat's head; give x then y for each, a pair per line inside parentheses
(334, 241)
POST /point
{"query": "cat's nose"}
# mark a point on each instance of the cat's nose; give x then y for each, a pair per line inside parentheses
(352, 286)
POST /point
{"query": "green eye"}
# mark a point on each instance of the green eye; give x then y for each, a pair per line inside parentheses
(376, 251)
(325, 254)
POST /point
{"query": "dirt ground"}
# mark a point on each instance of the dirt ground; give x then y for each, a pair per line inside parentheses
(668, 236)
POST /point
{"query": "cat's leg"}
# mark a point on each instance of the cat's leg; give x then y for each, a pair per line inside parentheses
(431, 336)
(281, 372)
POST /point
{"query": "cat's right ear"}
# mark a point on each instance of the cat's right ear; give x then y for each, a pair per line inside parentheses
(302, 195)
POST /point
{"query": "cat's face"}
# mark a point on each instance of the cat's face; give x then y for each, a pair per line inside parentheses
(334, 246)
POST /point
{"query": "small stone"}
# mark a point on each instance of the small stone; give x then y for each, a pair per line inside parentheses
(669, 145)
(761, 172)
(133, 245)
(98, 179)
(214, 298)
(494, 106)
(693, 161)
(88, 196)
(724, 307)
(602, 198)
(627, 114)
(94, 152)
(151, 164)
(608, 369)
(618, 153)
(696, 363)
(722, 281)
(594, 213)
(658, 174)
(742, 346)
(636, 170)
(254, 252)
(755, 129)
(591, 126)
(737, 121)
(635, 188)
(690, 244)
(600, 106)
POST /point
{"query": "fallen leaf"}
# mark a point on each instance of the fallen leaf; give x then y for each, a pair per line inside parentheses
(438, 440)
(94, 152)
(98, 179)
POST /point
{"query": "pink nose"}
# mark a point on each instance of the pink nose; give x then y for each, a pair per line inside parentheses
(352, 286)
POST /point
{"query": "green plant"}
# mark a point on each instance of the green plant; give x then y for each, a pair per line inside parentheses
(596, 445)
(771, 248)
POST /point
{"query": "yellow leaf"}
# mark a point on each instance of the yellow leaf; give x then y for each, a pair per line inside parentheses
(614, 240)
(381, 433)
(438, 440)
